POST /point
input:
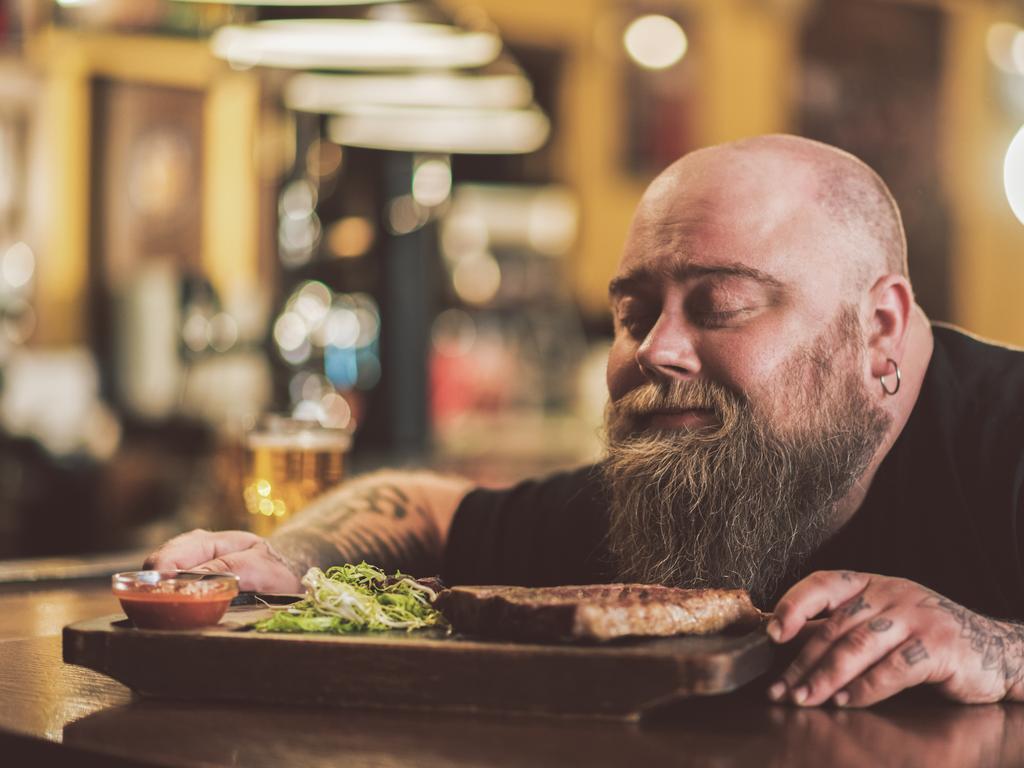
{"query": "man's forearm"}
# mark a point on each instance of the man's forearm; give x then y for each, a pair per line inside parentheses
(394, 520)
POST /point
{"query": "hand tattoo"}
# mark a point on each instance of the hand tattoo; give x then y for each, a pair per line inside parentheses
(999, 643)
(879, 624)
(859, 604)
(914, 652)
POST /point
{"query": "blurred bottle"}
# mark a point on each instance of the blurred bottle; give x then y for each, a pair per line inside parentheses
(149, 367)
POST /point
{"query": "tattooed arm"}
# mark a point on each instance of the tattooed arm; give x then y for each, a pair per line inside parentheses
(392, 520)
(883, 635)
(395, 520)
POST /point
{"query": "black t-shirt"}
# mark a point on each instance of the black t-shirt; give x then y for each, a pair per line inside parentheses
(946, 507)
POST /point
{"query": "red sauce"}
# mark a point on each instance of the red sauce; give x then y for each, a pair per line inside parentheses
(169, 610)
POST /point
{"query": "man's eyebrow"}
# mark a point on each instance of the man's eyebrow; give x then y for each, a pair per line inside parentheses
(631, 282)
(643, 277)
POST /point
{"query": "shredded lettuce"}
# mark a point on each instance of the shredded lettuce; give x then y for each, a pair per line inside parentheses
(352, 598)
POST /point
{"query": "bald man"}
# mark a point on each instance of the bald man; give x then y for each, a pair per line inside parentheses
(782, 417)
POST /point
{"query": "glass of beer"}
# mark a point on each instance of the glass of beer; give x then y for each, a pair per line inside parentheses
(288, 463)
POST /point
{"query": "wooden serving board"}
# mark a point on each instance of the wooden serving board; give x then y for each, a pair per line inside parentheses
(426, 669)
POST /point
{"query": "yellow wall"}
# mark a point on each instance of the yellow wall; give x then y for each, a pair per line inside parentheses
(62, 269)
(68, 61)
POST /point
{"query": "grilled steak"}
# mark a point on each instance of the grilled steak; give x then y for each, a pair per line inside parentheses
(593, 612)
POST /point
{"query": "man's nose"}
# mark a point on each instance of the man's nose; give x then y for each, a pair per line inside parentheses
(668, 351)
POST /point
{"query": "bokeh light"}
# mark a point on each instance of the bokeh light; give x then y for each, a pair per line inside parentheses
(335, 412)
(350, 237)
(298, 200)
(299, 382)
(19, 264)
(222, 332)
(341, 366)
(655, 41)
(195, 332)
(1013, 175)
(289, 332)
(341, 332)
(1017, 52)
(463, 234)
(476, 279)
(341, 328)
(432, 182)
(299, 228)
(1000, 42)
(369, 327)
(312, 302)
(406, 215)
(19, 321)
(299, 355)
(323, 159)
(298, 239)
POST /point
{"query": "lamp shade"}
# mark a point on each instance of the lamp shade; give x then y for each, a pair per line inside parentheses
(327, 94)
(293, 3)
(354, 44)
(441, 129)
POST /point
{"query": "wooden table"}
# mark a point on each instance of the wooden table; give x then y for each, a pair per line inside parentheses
(51, 713)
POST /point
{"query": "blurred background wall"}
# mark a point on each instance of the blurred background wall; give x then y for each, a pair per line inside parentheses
(399, 219)
(928, 93)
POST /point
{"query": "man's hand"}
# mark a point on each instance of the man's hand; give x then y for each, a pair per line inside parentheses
(883, 635)
(395, 520)
(244, 554)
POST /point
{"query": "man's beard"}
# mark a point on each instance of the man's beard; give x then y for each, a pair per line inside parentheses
(743, 503)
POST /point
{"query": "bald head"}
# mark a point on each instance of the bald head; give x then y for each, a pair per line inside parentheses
(778, 177)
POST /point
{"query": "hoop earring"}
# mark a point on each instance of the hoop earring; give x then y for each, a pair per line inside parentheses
(899, 379)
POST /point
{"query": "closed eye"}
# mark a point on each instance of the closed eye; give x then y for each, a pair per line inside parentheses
(637, 326)
(720, 319)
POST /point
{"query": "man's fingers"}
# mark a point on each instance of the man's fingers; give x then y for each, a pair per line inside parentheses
(857, 650)
(908, 665)
(256, 570)
(830, 632)
(821, 591)
(807, 631)
(242, 553)
(198, 546)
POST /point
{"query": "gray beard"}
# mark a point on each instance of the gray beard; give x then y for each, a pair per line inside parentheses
(738, 505)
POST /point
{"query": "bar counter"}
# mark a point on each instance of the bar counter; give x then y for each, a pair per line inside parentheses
(52, 713)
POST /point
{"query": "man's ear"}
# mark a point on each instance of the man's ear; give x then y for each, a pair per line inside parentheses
(891, 302)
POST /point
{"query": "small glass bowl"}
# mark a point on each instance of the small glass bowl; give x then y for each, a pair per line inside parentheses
(174, 599)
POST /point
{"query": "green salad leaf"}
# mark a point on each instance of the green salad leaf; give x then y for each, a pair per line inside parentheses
(352, 598)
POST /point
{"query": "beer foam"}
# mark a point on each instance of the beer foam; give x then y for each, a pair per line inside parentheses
(301, 441)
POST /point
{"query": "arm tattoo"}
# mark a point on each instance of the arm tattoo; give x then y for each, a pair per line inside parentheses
(859, 604)
(879, 624)
(914, 652)
(1000, 644)
(372, 520)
